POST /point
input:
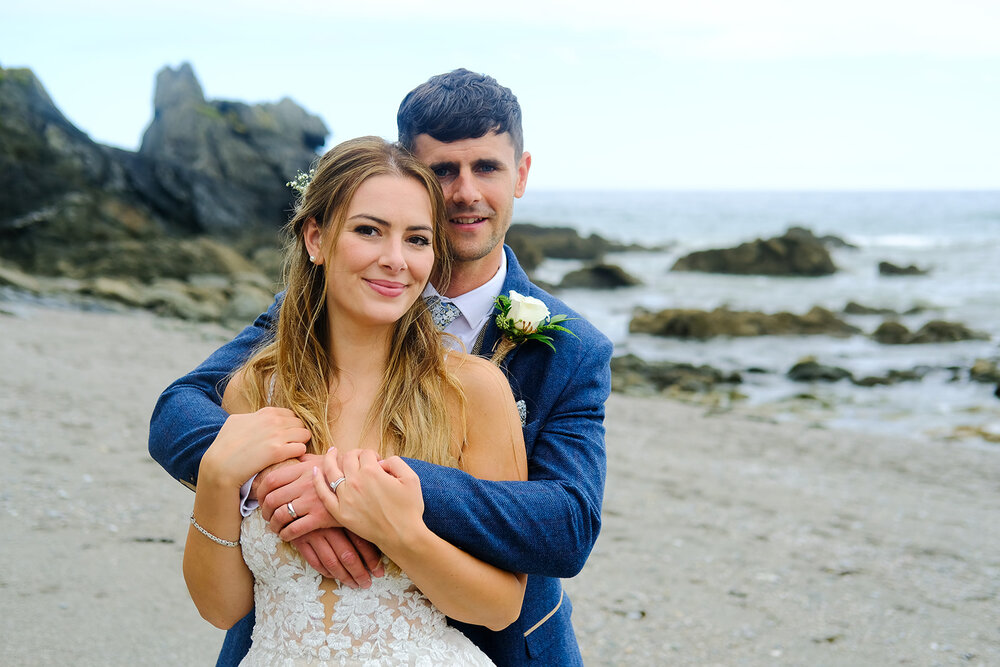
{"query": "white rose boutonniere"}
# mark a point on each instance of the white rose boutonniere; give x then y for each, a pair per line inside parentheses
(524, 318)
(526, 312)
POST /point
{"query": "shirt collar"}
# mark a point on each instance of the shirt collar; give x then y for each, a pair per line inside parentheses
(476, 305)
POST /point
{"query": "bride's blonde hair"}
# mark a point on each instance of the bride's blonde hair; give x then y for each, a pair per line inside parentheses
(295, 369)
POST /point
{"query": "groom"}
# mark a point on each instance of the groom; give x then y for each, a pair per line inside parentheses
(467, 128)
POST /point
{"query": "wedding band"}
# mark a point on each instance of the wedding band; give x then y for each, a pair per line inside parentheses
(336, 483)
(291, 511)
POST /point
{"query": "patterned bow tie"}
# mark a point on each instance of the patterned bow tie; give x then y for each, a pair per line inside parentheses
(443, 312)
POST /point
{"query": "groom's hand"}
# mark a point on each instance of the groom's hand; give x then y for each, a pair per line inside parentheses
(340, 554)
(292, 483)
(332, 551)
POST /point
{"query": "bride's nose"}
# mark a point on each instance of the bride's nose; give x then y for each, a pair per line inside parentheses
(392, 255)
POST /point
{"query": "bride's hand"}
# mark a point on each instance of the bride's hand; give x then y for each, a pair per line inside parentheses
(332, 551)
(380, 500)
(248, 443)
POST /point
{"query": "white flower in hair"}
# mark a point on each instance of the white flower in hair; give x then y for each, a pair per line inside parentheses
(301, 181)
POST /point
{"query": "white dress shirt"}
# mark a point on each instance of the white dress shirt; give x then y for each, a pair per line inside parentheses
(476, 306)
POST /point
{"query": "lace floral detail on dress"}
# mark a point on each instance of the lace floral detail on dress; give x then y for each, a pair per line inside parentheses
(303, 619)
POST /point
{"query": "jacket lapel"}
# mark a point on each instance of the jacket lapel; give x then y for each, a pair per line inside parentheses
(518, 281)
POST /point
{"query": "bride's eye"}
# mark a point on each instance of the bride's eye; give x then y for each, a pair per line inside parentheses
(365, 230)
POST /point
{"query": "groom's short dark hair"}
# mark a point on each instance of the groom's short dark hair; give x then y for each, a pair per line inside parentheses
(460, 105)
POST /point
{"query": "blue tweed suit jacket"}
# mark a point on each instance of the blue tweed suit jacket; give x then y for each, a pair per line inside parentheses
(545, 527)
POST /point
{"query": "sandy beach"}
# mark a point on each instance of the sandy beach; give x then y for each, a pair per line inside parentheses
(727, 539)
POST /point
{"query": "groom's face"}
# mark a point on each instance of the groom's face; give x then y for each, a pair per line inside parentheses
(480, 179)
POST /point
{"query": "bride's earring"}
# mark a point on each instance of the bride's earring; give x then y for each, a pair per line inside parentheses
(312, 258)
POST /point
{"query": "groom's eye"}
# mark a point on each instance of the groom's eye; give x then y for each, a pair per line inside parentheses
(443, 171)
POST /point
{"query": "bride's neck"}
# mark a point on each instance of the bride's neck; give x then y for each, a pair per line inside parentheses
(359, 351)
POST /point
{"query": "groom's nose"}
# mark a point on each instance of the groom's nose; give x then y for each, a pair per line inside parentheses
(465, 189)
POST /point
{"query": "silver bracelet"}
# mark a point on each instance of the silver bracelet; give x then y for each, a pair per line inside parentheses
(217, 540)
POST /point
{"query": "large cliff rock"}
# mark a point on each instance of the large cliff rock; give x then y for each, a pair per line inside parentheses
(42, 155)
(242, 154)
(72, 207)
(60, 192)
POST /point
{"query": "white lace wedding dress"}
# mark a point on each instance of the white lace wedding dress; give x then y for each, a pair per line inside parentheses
(303, 619)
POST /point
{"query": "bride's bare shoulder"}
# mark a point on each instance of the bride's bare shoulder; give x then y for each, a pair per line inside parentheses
(494, 444)
(234, 398)
(477, 376)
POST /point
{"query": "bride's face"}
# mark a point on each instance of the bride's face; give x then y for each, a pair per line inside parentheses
(379, 264)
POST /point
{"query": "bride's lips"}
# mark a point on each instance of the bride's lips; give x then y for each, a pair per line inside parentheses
(386, 287)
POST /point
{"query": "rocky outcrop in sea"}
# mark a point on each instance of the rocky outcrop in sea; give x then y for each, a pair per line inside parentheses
(890, 269)
(533, 243)
(798, 252)
(700, 324)
(598, 276)
(935, 331)
(633, 375)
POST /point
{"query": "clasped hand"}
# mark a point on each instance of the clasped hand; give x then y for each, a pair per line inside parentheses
(379, 499)
(271, 444)
(334, 552)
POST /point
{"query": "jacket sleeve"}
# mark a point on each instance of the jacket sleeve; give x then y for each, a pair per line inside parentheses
(189, 414)
(548, 524)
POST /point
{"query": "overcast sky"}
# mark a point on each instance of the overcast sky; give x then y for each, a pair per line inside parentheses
(744, 94)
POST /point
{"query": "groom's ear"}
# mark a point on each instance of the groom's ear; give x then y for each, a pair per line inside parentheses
(523, 166)
(312, 236)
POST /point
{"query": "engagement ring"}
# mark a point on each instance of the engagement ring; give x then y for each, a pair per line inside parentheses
(336, 483)
(291, 511)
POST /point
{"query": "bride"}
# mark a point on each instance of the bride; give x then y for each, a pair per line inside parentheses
(357, 359)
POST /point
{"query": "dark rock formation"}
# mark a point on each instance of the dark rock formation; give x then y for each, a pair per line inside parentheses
(242, 155)
(563, 242)
(894, 377)
(629, 373)
(810, 370)
(985, 370)
(43, 156)
(60, 193)
(940, 331)
(890, 269)
(891, 333)
(683, 323)
(854, 308)
(830, 241)
(72, 207)
(935, 331)
(598, 276)
(796, 253)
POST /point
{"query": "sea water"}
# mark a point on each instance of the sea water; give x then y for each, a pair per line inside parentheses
(954, 236)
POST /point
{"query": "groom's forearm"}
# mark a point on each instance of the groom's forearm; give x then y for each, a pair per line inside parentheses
(539, 527)
(185, 421)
